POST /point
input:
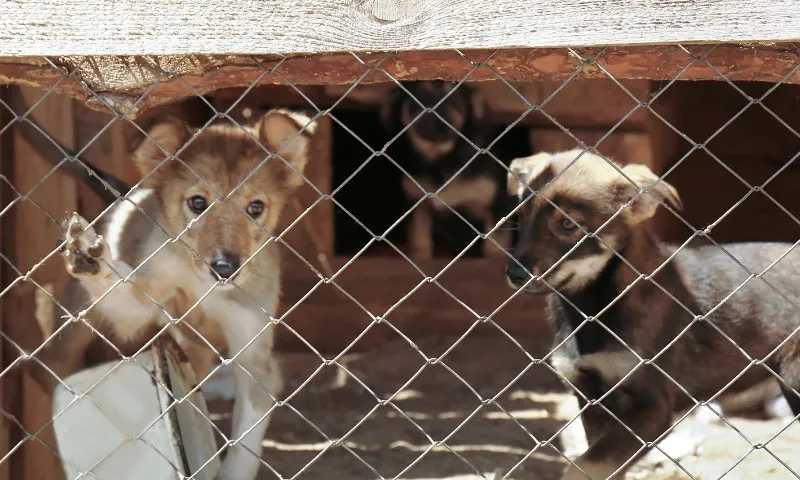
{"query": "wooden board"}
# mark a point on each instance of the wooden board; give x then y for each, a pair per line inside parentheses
(755, 146)
(330, 320)
(100, 139)
(574, 105)
(95, 27)
(34, 237)
(622, 147)
(9, 382)
(133, 85)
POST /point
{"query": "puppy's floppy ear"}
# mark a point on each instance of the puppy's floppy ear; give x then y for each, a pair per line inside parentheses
(645, 205)
(287, 134)
(524, 171)
(167, 136)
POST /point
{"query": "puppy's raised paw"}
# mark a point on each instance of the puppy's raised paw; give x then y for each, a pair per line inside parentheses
(84, 249)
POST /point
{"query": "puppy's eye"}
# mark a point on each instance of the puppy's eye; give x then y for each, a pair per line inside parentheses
(197, 204)
(567, 225)
(254, 209)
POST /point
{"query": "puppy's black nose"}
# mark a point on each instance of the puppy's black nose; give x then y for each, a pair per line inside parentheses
(224, 264)
(441, 128)
(517, 274)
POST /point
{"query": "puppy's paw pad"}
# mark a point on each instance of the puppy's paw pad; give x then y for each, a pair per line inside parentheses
(84, 249)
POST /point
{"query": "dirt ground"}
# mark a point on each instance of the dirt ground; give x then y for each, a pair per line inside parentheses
(436, 427)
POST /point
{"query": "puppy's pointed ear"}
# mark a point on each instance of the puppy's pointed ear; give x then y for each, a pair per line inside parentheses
(645, 205)
(525, 171)
(166, 137)
(288, 134)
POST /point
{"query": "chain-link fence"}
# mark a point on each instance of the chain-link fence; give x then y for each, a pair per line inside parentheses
(396, 279)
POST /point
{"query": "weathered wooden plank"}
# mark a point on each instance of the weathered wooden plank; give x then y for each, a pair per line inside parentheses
(622, 147)
(34, 234)
(94, 134)
(122, 82)
(94, 27)
(756, 145)
(7, 382)
(574, 105)
(330, 320)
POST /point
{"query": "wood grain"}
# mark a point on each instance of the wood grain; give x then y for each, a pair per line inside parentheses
(8, 383)
(34, 234)
(754, 146)
(132, 85)
(622, 147)
(131, 27)
(575, 104)
(330, 320)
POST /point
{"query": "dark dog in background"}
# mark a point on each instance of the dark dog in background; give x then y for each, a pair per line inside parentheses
(435, 154)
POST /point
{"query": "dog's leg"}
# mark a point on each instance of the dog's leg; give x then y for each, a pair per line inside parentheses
(258, 381)
(595, 421)
(421, 232)
(646, 410)
(790, 373)
(88, 259)
(62, 355)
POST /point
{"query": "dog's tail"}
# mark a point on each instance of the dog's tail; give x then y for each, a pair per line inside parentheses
(107, 186)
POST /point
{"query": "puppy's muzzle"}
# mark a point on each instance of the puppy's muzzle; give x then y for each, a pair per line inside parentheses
(224, 264)
(516, 274)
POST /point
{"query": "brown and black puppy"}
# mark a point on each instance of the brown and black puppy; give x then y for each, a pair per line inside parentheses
(441, 155)
(644, 327)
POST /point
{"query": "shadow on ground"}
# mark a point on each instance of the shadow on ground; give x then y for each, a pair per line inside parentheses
(435, 426)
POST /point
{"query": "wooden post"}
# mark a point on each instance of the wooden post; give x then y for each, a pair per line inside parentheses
(35, 230)
(378, 283)
(755, 146)
(5, 381)
(313, 235)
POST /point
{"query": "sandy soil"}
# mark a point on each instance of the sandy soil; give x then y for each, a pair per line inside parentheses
(436, 426)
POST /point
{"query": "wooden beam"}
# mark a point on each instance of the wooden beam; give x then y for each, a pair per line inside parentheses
(8, 382)
(330, 320)
(622, 147)
(755, 146)
(121, 82)
(574, 105)
(35, 228)
(95, 27)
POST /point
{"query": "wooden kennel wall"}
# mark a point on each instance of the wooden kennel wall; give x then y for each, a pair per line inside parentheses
(171, 51)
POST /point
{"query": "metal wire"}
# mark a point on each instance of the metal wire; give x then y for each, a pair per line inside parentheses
(326, 274)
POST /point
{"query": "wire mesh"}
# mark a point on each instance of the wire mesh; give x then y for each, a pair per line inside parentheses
(494, 400)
